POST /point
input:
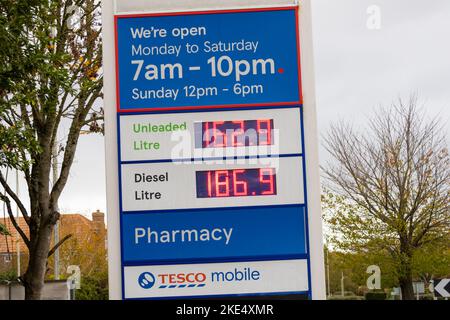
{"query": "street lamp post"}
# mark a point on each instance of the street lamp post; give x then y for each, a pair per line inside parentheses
(328, 273)
(56, 229)
(17, 232)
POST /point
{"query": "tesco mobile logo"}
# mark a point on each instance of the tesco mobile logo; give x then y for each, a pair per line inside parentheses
(146, 280)
(172, 280)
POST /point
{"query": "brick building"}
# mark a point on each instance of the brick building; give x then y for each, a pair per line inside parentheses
(81, 228)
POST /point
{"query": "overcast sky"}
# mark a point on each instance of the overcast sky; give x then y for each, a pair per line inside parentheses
(357, 70)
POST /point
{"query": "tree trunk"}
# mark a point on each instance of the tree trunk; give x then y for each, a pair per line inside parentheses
(405, 271)
(406, 285)
(37, 265)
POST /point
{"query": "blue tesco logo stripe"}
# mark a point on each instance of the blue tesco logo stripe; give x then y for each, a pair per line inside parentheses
(181, 286)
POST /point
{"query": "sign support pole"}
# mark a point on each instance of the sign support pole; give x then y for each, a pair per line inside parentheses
(312, 151)
(112, 180)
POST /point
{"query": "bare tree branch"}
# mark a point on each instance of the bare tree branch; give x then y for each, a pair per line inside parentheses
(14, 196)
(59, 244)
(14, 221)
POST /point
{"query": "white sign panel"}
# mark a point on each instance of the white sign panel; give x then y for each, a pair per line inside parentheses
(130, 6)
(171, 185)
(175, 136)
(216, 279)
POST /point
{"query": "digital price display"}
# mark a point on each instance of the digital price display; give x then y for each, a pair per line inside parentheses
(236, 183)
(238, 133)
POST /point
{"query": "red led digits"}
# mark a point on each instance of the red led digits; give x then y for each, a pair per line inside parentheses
(264, 129)
(238, 135)
(210, 193)
(219, 137)
(225, 190)
(233, 134)
(266, 176)
(239, 187)
(236, 183)
(206, 134)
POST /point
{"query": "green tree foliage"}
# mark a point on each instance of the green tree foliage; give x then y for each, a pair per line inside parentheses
(50, 63)
(17, 60)
(356, 246)
(8, 276)
(88, 252)
(18, 55)
(4, 231)
(432, 261)
(336, 265)
(353, 246)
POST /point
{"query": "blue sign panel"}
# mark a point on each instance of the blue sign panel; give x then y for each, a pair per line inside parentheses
(214, 234)
(216, 59)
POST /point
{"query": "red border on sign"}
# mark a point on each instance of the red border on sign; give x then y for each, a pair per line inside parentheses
(226, 106)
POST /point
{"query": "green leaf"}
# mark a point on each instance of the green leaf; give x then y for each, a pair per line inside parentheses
(4, 231)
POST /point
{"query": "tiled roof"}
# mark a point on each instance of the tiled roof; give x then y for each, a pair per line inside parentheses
(76, 224)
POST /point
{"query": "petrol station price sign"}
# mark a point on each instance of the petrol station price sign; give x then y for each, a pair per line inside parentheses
(205, 60)
(212, 182)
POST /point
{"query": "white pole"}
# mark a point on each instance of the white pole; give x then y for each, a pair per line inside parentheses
(342, 285)
(417, 290)
(17, 232)
(112, 179)
(56, 229)
(328, 273)
(312, 151)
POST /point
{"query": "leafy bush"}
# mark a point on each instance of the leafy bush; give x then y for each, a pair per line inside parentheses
(376, 295)
(345, 298)
(8, 276)
(93, 288)
(4, 231)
